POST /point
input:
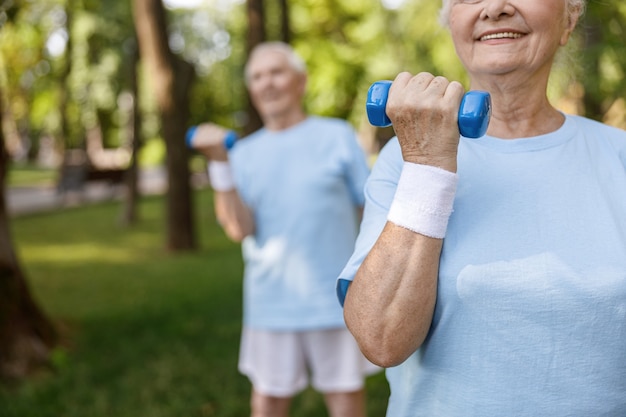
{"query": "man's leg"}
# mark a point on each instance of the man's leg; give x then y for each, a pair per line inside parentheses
(268, 406)
(274, 363)
(345, 404)
(338, 370)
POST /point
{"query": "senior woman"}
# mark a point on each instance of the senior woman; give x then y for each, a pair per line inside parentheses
(490, 274)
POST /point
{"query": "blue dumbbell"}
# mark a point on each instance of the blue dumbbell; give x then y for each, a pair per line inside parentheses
(229, 140)
(474, 112)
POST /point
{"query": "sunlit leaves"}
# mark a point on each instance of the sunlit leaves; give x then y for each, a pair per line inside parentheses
(346, 44)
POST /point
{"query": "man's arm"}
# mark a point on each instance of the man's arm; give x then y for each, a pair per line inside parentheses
(232, 214)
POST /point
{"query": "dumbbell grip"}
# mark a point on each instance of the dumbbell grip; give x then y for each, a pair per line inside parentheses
(229, 140)
(473, 118)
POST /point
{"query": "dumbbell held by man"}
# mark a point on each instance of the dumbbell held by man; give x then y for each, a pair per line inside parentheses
(214, 142)
(474, 112)
(193, 140)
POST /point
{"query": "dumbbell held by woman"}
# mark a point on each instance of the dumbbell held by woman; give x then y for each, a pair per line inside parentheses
(474, 112)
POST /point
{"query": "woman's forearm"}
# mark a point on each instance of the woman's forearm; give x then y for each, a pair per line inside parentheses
(390, 304)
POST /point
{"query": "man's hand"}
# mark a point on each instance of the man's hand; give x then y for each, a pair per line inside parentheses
(208, 139)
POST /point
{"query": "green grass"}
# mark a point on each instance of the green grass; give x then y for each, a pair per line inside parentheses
(28, 175)
(147, 333)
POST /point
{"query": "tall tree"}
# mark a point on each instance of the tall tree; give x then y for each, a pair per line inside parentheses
(129, 214)
(285, 25)
(26, 334)
(67, 140)
(256, 34)
(171, 79)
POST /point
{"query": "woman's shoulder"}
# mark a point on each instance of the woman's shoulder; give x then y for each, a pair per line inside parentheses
(597, 127)
(607, 137)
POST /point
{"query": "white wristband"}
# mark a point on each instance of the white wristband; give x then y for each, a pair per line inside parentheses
(423, 200)
(221, 176)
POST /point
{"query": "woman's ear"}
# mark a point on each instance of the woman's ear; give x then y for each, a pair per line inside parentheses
(573, 15)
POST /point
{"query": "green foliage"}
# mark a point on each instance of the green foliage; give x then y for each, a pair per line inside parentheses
(604, 58)
(328, 36)
(429, 46)
(146, 333)
(346, 44)
(33, 66)
(152, 153)
(212, 38)
(22, 61)
(101, 34)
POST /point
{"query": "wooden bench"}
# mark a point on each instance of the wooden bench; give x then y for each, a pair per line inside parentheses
(74, 178)
(112, 176)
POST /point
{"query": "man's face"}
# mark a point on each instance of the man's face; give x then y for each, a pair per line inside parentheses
(275, 87)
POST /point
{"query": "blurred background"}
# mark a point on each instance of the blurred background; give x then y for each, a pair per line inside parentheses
(119, 295)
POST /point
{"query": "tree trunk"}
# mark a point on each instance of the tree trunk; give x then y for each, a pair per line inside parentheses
(285, 27)
(171, 78)
(256, 35)
(26, 334)
(70, 136)
(129, 214)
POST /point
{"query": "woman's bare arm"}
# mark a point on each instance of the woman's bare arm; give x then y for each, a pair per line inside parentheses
(389, 306)
(390, 303)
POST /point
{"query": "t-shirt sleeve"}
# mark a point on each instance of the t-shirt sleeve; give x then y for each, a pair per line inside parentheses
(380, 188)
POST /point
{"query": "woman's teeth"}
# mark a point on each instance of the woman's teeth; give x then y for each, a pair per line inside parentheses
(509, 35)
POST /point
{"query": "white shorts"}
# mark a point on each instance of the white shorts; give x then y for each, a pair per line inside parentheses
(278, 363)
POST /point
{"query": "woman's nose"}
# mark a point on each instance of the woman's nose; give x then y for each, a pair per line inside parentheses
(497, 9)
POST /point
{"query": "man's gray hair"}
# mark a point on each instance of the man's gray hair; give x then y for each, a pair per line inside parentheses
(444, 12)
(294, 60)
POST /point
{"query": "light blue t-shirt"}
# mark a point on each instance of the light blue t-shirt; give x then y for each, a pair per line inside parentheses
(530, 318)
(305, 188)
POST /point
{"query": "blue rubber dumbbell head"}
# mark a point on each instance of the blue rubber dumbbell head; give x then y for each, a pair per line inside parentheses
(189, 136)
(377, 102)
(229, 140)
(474, 112)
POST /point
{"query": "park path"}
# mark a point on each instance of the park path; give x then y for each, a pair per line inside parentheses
(26, 200)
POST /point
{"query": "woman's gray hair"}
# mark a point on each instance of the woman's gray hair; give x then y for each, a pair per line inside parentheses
(294, 60)
(444, 12)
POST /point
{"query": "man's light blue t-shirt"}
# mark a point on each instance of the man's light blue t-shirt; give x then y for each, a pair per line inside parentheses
(530, 318)
(305, 188)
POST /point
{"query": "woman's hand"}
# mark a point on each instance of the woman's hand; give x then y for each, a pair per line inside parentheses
(424, 112)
